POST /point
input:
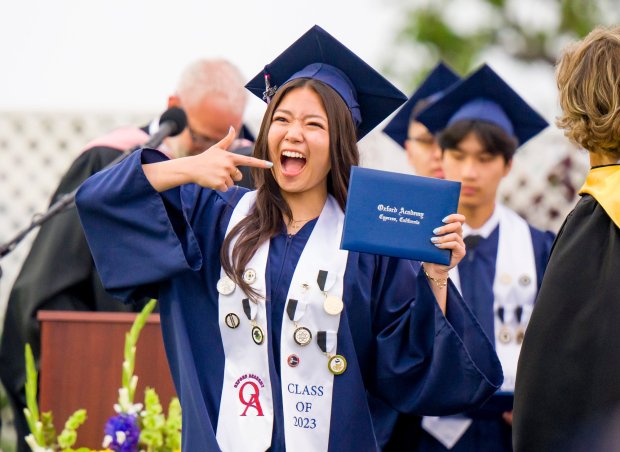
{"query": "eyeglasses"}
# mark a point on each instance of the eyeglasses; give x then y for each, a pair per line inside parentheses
(201, 141)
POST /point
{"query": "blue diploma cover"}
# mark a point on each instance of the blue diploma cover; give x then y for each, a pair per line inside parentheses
(394, 214)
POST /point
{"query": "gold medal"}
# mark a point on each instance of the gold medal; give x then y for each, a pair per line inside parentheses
(337, 364)
(504, 335)
(302, 336)
(333, 305)
(520, 336)
(257, 335)
(249, 276)
(225, 285)
(232, 320)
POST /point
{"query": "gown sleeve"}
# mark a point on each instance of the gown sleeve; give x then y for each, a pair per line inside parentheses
(428, 363)
(139, 237)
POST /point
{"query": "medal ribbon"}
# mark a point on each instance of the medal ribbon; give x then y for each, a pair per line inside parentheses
(327, 341)
(250, 309)
(519, 313)
(295, 309)
(500, 314)
(325, 280)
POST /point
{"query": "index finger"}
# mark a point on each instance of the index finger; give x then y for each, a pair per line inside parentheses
(245, 160)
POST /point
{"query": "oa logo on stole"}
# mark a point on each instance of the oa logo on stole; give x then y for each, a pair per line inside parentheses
(249, 386)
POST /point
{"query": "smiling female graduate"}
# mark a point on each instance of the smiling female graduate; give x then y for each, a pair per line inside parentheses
(274, 335)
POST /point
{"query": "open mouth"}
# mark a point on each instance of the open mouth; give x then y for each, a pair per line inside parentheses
(292, 163)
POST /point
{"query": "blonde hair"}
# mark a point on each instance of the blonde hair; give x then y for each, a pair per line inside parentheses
(588, 78)
(208, 77)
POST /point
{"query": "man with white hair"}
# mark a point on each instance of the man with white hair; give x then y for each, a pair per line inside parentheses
(59, 273)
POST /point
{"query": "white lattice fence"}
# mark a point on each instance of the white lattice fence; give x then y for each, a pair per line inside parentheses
(35, 151)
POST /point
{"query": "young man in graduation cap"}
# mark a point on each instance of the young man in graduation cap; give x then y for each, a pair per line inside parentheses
(482, 122)
(423, 151)
(275, 335)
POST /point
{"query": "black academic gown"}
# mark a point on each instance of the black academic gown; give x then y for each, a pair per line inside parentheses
(568, 379)
(58, 274)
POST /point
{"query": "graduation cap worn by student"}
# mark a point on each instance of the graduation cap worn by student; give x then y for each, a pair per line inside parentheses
(439, 80)
(318, 55)
(484, 96)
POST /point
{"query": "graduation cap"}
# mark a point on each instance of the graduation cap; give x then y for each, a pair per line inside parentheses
(487, 97)
(318, 55)
(440, 79)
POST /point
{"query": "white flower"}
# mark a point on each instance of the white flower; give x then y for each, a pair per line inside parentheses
(120, 437)
(107, 440)
(34, 446)
(124, 406)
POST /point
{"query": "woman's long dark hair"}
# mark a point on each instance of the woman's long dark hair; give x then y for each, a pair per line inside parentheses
(265, 218)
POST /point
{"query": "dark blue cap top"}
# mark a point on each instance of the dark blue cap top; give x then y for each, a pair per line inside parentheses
(440, 79)
(318, 55)
(485, 96)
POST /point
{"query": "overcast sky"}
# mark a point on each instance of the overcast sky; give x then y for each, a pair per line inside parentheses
(127, 54)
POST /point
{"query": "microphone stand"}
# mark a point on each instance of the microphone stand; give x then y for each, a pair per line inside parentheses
(66, 201)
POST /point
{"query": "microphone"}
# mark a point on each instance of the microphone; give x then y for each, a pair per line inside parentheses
(171, 123)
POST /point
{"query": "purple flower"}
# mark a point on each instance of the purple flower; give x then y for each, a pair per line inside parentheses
(122, 433)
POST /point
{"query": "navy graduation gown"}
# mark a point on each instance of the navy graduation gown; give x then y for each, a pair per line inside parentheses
(488, 431)
(398, 344)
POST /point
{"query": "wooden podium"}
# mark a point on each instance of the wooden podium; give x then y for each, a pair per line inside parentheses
(81, 359)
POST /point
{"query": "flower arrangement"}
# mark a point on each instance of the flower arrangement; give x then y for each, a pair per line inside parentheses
(134, 428)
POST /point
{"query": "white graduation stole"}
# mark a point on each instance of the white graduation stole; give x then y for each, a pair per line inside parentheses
(245, 420)
(307, 388)
(515, 285)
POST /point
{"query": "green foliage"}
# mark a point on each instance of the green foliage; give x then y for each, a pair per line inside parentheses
(130, 382)
(42, 430)
(429, 29)
(49, 431)
(158, 433)
(32, 410)
(172, 429)
(153, 421)
(69, 434)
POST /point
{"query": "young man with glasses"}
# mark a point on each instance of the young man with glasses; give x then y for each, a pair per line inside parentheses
(423, 152)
